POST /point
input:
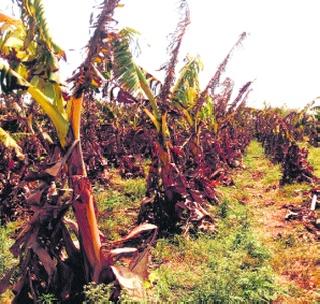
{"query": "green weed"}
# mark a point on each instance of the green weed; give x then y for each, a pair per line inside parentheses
(97, 293)
(7, 261)
(6, 258)
(47, 298)
(119, 206)
(231, 267)
(314, 159)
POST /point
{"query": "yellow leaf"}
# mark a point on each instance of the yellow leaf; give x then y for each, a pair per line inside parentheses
(60, 123)
(9, 142)
(153, 119)
(192, 94)
(186, 114)
(165, 129)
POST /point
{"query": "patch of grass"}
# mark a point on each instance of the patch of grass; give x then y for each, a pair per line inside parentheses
(119, 205)
(231, 267)
(294, 193)
(7, 261)
(259, 167)
(111, 199)
(6, 258)
(227, 193)
(123, 193)
(97, 293)
(135, 188)
(314, 159)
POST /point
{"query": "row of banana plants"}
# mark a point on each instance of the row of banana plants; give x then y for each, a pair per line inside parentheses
(280, 137)
(60, 142)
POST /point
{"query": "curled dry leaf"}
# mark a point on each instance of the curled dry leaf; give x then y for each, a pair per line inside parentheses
(130, 282)
(137, 231)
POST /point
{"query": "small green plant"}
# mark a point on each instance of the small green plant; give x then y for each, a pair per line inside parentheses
(97, 293)
(47, 298)
(223, 209)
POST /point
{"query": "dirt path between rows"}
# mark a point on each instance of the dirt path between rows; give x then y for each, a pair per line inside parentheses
(295, 253)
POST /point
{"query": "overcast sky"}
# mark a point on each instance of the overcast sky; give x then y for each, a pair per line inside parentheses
(282, 51)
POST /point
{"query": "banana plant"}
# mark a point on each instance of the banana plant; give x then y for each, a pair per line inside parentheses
(180, 107)
(172, 200)
(29, 63)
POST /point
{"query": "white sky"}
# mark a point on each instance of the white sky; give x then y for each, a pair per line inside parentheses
(282, 52)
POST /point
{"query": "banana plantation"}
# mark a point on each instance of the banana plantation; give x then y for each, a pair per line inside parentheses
(118, 187)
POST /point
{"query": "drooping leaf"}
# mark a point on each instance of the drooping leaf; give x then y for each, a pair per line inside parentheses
(9, 142)
(137, 231)
(124, 68)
